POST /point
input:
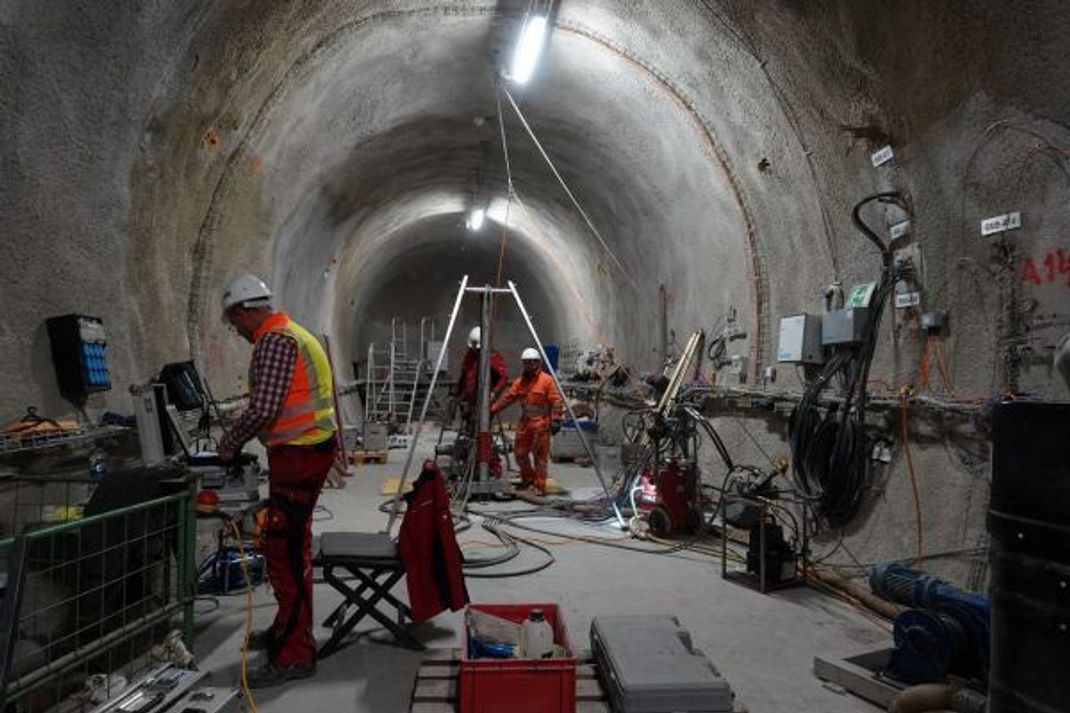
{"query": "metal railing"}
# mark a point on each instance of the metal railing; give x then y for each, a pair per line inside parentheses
(97, 593)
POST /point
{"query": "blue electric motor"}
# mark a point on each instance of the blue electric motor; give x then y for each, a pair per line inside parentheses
(947, 631)
(223, 572)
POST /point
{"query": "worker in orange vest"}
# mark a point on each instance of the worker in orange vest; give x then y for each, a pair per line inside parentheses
(291, 411)
(541, 406)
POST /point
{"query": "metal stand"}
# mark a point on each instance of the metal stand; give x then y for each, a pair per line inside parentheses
(485, 484)
(763, 581)
(427, 403)
(862, 675)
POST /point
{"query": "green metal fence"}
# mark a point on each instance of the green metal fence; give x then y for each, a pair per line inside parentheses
(96, 594)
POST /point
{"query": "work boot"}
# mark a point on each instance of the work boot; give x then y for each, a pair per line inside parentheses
(271, 674)
(261, 640)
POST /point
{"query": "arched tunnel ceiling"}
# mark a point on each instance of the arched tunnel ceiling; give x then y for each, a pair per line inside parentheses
(365, 144)
(718, 146)
(416, 276)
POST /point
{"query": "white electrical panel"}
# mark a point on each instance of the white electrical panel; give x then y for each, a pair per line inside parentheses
(800, 339)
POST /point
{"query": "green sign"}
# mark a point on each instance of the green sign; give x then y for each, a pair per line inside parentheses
(861, 295)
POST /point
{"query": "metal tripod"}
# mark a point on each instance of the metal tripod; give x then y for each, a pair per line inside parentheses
(484, 484)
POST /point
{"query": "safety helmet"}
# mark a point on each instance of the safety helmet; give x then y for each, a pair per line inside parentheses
(474, 338)
(247, 290)
(530, 354)
(207, 502)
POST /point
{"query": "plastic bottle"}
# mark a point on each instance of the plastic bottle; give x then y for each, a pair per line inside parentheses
(536, 637)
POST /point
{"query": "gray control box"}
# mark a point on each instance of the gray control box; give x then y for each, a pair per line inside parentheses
(800, 339)
(375, 436)
(844, 326)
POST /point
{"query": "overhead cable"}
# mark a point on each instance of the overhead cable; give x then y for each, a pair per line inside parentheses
(568, 191)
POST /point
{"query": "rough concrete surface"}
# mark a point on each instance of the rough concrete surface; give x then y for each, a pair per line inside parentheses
(151, 150)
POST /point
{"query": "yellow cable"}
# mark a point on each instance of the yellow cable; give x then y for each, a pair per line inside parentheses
(248, 619)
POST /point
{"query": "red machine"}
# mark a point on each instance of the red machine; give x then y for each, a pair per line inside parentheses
(670, 500)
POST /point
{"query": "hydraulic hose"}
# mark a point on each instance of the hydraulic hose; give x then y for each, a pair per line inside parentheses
(883, 607)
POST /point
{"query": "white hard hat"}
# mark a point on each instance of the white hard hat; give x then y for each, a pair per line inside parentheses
(248, 290)
(474, 338)
(530, 354)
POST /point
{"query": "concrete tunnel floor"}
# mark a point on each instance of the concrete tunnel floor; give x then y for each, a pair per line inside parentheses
(763, 645)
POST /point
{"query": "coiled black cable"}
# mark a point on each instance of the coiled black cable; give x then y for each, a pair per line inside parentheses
(829, 450)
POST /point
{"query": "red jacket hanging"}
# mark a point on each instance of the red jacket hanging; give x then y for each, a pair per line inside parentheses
(428, 547)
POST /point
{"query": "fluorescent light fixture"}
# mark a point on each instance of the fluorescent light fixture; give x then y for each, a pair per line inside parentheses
(475, 219)
(528, 50)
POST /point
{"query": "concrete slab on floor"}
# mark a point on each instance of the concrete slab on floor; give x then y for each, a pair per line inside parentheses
(763, 644)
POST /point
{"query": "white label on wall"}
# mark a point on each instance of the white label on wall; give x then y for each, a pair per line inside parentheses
(907, 299)
(1001, 223)
(899, 229)
(881, 157)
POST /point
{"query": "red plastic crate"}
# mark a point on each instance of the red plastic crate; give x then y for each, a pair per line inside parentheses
(519, 685)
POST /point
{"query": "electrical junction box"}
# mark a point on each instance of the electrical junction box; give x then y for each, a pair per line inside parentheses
(844, 326)
(375, 436)
(80, 355)
(800, 339)
(737, 365)
(932, 321)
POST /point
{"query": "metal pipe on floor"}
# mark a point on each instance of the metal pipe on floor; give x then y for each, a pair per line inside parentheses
(923, 698)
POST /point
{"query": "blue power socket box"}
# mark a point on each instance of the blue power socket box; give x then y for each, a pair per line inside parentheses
(80, 355)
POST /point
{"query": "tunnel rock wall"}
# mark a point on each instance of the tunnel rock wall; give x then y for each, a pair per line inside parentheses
(153, 150)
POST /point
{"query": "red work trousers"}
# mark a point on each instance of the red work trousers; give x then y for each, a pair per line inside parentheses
(297, 474)
(533, 441)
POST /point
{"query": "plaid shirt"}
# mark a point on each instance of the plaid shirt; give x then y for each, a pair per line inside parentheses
(271, 370)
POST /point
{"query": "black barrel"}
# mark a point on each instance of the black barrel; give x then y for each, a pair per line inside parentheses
(1029, 523)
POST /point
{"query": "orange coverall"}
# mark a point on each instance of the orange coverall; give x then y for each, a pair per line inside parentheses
(541, 404)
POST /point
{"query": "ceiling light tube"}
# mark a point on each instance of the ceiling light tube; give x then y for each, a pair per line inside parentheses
(475, 219)
(528, 50)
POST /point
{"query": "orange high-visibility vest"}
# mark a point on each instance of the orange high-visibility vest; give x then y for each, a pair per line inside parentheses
(307, 415)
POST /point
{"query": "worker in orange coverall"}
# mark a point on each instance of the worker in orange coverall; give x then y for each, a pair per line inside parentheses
(541, 406)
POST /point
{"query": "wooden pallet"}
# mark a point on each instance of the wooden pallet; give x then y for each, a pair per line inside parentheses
(364, 457)
(436, 684)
